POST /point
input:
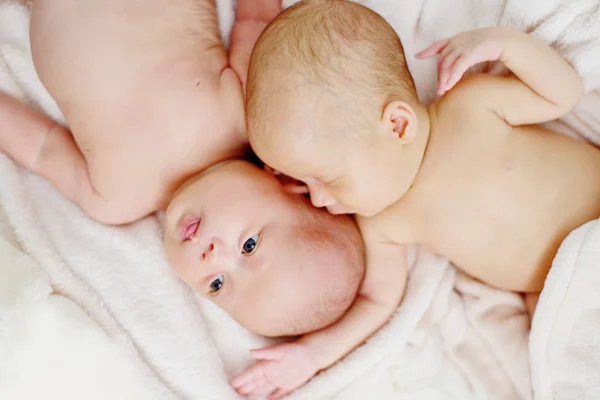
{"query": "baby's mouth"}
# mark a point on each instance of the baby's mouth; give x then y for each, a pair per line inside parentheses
(189, 229)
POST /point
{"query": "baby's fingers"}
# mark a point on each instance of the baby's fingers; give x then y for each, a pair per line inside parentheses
(249, 388)
(461, 66)
(432, 50)
(255, 388)
(278, 394)
(251, 375)
(446, 65)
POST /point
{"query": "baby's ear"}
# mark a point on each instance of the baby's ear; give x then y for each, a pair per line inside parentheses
(289, 184)
(400, 120)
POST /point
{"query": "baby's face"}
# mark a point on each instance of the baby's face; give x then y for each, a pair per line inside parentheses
(347, 169)
(228, 234)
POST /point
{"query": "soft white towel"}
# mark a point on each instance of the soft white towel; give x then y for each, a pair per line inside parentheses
(565, 335)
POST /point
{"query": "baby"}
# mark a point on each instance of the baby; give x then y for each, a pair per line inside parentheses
(147, 91)
(266, 256)
(152, 103)
(331, 103)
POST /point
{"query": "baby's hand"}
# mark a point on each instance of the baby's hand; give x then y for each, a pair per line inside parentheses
(462, 51)
(279, 370)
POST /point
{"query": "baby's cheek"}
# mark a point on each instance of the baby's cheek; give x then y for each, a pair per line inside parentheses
(187, 279)
(342, 195)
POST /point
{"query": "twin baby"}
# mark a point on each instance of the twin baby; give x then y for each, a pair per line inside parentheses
(155, 108)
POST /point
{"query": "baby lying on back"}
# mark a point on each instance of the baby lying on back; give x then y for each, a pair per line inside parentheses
(154, 109)
(468, 177)
(275, 263)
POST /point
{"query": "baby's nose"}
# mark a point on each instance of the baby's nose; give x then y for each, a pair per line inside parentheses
(320, 199)
(210, 252)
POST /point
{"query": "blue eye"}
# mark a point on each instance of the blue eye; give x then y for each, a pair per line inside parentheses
(250, 245)
(217, 284)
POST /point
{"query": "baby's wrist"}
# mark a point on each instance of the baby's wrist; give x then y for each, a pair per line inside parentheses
(317, 354)
(507, 38)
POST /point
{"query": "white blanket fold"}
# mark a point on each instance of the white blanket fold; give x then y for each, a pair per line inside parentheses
(565, 334)
(120, 325)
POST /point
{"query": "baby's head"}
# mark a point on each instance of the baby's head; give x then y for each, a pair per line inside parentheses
(330, 102)
(276, 264)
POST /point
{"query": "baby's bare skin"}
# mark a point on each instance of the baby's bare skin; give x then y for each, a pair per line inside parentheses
(469, 177)
(146, 90)
(148, 94)
(496, 200)
(494, 194)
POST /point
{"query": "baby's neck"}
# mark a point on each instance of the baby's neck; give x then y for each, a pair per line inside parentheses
(435, 151)
(425, 116)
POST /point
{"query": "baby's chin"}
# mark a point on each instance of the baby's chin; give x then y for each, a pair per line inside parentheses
(188, 185)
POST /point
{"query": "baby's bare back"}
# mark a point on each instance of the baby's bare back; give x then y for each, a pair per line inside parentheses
(137, 81)
(503, 198)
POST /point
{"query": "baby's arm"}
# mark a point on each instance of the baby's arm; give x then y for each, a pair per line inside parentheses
(251, 18)
(378, 297)
(544, 86)
(284, 368)
(48, 149)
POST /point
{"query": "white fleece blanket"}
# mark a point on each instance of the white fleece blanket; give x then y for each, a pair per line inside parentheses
(89, 311)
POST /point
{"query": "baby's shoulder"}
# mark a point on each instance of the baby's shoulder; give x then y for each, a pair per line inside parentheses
(472, 92)
(465, 108)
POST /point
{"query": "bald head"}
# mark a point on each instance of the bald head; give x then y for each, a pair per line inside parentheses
(315, 280)
(275, 263)
(339, 46)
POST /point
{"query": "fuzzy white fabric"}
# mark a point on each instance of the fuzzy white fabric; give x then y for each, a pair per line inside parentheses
(118, 324)
(565, 354)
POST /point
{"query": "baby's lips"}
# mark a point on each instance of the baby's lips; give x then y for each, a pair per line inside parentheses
(189, 228)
